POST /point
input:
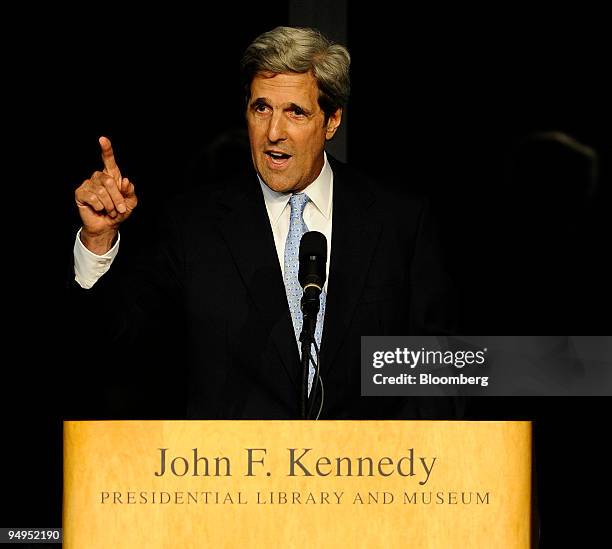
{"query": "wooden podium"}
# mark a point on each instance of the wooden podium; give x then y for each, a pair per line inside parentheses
(191, 484)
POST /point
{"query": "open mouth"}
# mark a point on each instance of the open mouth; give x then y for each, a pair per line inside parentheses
(277, 158)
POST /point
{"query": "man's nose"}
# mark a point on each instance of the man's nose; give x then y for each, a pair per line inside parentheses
(277, 129)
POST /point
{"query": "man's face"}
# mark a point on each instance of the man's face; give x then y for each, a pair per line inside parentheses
(287, 130)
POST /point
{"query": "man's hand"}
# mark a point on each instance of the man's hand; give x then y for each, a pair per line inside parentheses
(105, 200)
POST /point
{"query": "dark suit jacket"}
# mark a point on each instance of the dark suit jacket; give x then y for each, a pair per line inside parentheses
(218, 263)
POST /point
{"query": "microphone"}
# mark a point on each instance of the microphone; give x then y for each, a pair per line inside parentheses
(312, 276)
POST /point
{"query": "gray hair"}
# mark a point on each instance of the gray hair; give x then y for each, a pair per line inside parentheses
(301, 50)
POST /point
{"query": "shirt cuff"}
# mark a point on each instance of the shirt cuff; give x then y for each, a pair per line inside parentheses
(89, 267)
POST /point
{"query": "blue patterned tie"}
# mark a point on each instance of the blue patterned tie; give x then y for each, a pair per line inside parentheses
(297, 227)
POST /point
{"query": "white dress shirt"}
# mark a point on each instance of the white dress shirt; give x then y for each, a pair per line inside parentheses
(317, 212)
(89, 267)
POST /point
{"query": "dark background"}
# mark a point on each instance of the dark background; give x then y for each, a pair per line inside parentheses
(442, 103)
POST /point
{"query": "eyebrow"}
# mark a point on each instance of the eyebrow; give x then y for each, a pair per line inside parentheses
(303, 109)
(291, 106)
(260, 101)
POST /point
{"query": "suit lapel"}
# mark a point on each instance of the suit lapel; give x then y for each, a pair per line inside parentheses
(355, 233)
(248, 234)
(354, 237)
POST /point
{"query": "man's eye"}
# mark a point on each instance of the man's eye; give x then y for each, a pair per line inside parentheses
(260, 108)
(298, 112)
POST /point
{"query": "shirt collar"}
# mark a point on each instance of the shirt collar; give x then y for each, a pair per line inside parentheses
(319, 192)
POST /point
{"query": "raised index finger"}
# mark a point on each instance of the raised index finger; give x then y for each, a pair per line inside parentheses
(108, 157)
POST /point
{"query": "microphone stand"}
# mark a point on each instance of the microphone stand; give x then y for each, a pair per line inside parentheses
(307, 339)
(311, 276)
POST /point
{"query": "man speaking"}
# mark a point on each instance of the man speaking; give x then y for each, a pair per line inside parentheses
(229, 255)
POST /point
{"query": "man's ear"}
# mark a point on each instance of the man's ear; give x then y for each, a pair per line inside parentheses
(333, 122)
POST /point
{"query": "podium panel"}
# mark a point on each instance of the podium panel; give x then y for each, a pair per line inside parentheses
(191, 484)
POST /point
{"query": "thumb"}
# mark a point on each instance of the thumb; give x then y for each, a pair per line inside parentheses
(129, 193)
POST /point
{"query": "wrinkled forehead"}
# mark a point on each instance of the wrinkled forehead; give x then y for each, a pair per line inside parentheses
(280, 88)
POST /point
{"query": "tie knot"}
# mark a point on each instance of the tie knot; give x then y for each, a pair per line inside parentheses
(298, 202)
